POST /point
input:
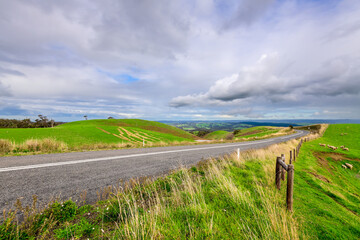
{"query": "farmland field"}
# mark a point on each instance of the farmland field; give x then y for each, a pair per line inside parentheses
(110, 131)
(326, 195)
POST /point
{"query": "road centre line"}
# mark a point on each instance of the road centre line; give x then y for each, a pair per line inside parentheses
(26, 167)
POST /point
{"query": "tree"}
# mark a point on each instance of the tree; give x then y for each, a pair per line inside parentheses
(42, 121)
(85, 117)
(236, 131)
(110, 118)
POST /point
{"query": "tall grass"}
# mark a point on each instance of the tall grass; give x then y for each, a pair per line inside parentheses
(45, 145)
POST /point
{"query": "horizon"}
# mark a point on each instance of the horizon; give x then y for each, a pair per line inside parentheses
(180, 60)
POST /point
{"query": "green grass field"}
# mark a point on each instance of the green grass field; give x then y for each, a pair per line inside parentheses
(217, 135)
(90, 134)
(327, 196)
(247, 133)
(258, 132)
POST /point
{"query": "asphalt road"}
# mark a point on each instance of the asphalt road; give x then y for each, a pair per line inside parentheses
(67, 175)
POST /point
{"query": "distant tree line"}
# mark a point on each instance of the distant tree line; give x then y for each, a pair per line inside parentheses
(41, 122)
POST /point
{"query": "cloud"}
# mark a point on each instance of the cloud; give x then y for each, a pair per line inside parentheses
(245, 59)
(247, 12)
(260, 80)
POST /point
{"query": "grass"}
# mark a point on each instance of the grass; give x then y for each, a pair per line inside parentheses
(256, 132)
(226, 198)
(327, 195)
(246, 134)
(91, 134)
(217, 135)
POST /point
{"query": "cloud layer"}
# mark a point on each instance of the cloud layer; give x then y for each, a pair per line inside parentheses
(201, 59)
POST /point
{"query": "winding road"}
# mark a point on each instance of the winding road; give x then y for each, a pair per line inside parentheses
(67, 175)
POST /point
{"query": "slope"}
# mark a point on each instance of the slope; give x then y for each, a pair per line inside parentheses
(326, 194)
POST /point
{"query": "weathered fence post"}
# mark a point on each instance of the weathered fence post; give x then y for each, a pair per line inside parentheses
(278, 173)
(290, 187)
(290, 160)
(294, 155)
(282, 169)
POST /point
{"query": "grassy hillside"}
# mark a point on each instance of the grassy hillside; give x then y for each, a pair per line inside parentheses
(327, 196)
(256, 132)
(217, 135)
(92, 132)
(253, 133)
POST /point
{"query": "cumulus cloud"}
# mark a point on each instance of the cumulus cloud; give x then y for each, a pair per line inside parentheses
(260, 80)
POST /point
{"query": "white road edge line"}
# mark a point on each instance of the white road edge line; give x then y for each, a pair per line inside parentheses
(9, 169)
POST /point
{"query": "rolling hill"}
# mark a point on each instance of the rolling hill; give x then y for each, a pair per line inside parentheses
(89, 132)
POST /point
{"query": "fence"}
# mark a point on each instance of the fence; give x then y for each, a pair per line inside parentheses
(282, 168)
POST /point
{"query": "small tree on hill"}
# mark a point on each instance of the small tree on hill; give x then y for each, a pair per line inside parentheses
(236, 131)
(85, 117)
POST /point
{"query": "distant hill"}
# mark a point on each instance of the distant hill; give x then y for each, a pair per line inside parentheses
(231, 125)
(223, 125)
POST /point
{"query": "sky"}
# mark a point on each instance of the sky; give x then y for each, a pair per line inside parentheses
(180, 60)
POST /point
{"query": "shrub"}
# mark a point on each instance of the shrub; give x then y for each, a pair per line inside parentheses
(62, 211)
(236, 131)
(230, 136)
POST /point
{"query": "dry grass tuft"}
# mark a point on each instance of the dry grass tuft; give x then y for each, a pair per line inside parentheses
(6, 146)
(43, 145)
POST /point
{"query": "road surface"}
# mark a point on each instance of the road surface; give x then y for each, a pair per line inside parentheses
(67, 175)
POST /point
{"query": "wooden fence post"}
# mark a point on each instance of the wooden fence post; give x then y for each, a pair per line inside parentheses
(282, 169)
(294, 155)
(278, 173)
(290, 160)
(290, 187)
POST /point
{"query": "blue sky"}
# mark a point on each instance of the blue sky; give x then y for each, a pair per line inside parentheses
(171, 60)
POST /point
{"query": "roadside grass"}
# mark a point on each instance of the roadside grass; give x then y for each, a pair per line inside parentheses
(326, 196)
(226, 198)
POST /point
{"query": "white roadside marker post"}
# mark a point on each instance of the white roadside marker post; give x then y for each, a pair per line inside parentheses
(238, 154)
(143, 142)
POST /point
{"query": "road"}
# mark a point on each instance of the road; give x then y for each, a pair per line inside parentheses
(67, 175)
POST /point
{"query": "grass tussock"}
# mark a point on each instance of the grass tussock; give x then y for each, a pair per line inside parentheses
(226, 198)
(46, 145)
